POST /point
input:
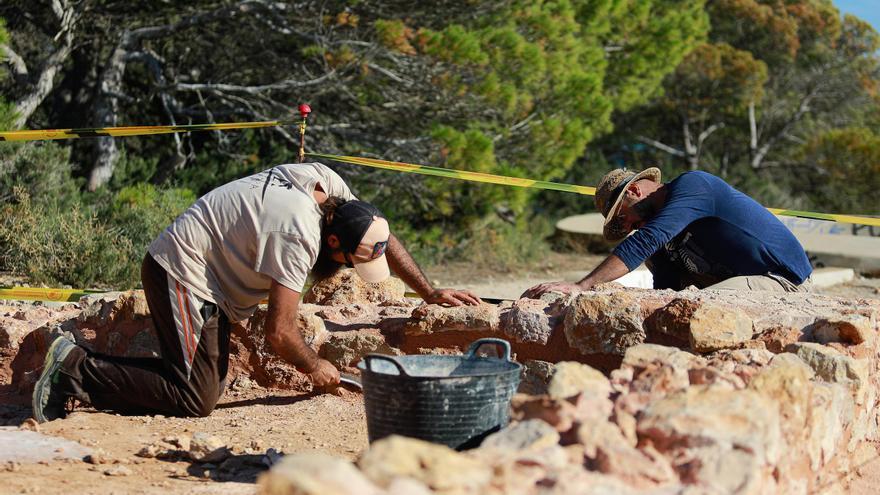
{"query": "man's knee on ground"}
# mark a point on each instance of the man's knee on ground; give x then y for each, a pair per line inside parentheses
(202, 407)
(200, 401)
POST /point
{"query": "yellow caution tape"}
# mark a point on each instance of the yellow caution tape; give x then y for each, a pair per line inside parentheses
(142, 130)
(43, 294)
(555, 186)
(459, 174)
(370, 162)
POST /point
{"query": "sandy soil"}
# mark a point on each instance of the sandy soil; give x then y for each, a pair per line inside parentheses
(252, 420)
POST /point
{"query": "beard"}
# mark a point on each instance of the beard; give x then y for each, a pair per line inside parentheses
(325, 266)
(644, 209)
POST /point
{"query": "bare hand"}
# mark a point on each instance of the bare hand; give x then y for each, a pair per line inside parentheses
(325, 375)
(540, 289)
(453, 297)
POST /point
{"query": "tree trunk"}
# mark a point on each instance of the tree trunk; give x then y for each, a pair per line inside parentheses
(105, 115)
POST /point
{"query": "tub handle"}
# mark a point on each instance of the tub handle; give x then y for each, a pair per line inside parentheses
(475, 346)
(382, 357)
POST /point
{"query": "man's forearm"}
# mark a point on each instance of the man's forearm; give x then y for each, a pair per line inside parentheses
(283, 333)
(402, 263)
(610, 269)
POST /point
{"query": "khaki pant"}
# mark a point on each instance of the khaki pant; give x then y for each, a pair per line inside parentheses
(769, 282)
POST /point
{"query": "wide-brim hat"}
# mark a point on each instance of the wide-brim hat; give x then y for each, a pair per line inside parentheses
(609, 195)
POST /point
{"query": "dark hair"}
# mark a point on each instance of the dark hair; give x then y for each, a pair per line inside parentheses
(326, 266)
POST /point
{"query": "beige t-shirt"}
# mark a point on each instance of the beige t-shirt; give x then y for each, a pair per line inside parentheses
(230, 245)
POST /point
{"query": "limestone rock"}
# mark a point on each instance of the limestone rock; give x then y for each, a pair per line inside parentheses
(576, 480)
(529, 321)
(832, 365)
(182, 442)
(786, 381)
(98, 308)
(104, 309)
(346, 287)
(831, 412)
(207, 448)
(592, 436)
(12, 333)
(572, 378)
(98, 457)
(851, 329)
(644, 468)
(314, 474)
(535, 377)
(433, 318)
(407, 486)
(705, 325)
(714, 327)
(310, 325)
(642, 355)
(345, 349)
(312, 329)
(438, 467)
(604, 323)
(532, 434)
(735, 434)
(118, 470)
(514, 470)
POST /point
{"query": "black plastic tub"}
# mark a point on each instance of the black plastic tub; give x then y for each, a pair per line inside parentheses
(453, 400)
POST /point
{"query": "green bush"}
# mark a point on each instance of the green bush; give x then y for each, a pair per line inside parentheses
(142, 211)
(490, 242)
(41, 169)
(70, 246)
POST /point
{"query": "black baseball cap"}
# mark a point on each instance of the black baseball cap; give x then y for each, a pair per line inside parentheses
(363, 231)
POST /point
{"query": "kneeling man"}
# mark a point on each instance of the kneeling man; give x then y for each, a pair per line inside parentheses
(253, 238)
(694, 230)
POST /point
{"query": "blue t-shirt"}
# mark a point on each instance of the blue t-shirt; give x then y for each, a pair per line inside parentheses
(708, 232)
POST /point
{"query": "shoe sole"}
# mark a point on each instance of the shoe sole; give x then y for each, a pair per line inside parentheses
(55, 355)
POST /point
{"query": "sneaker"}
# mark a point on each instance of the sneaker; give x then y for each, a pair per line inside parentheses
(48, 404)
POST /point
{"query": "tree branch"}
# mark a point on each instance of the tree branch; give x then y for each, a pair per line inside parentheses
(254, 90)
(19, 68)
(45, 81)
(662, 147)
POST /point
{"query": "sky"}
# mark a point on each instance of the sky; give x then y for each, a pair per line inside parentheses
(868, 10)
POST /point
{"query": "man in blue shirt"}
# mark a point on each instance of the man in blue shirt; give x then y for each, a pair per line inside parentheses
(695, 230)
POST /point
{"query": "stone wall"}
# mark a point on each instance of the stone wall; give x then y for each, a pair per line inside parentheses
(624, 390)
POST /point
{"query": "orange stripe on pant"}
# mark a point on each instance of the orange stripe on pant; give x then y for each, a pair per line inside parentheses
(183, 319)
(192, 333)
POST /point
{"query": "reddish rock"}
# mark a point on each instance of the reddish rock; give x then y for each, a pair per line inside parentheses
(674, 318)
(777, 338)
(560, 414)
(529, 321)
(850, 329)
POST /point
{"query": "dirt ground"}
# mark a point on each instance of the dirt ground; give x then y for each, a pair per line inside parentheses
(252, 420)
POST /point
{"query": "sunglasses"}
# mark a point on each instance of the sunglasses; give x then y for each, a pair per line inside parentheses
(378, 250)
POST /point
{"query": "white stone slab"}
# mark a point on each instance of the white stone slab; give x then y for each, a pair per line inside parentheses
(27, 447)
